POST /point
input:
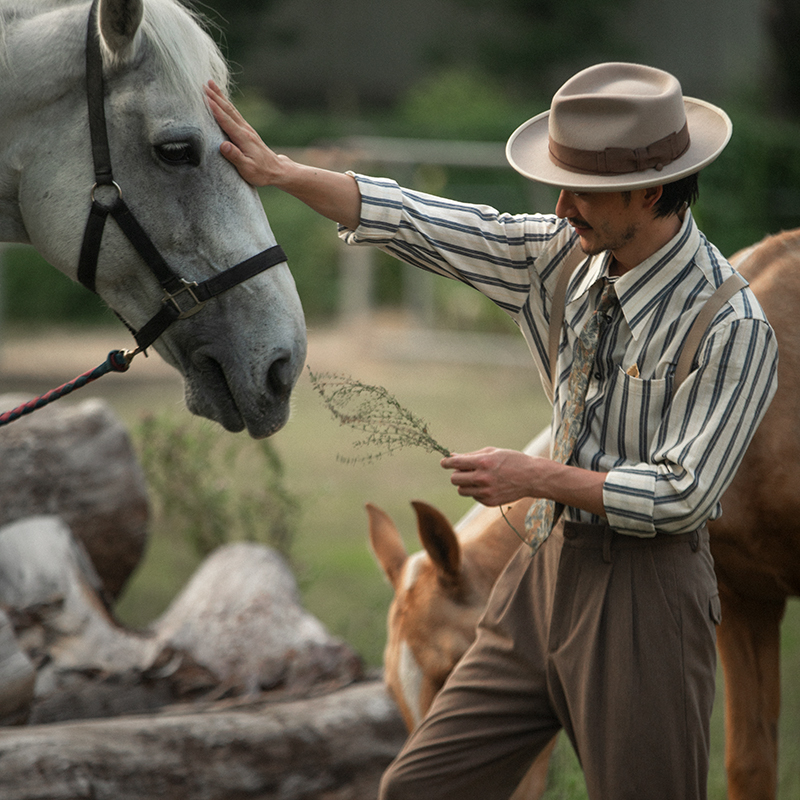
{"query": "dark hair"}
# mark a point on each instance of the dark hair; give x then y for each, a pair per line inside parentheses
(677, 195)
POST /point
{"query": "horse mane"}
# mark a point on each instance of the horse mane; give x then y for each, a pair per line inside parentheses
(178, 38)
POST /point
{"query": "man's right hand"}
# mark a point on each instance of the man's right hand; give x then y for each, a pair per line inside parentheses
(332, 194)
(256, 163)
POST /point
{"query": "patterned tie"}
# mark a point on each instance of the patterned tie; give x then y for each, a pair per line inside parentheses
(541, 515)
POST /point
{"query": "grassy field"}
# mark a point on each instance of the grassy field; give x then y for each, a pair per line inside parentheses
(468, 402)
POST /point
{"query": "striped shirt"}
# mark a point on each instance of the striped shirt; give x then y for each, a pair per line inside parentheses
(668, 458)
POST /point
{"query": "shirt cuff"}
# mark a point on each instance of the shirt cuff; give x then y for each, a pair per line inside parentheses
(381, 211)
(629, 500)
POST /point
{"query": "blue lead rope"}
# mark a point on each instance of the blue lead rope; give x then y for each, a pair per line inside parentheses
(117, 361)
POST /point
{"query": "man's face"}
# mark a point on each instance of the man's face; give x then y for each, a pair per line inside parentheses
(602, 220)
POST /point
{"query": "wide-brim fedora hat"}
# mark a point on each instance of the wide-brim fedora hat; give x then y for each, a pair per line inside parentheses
(619, 126)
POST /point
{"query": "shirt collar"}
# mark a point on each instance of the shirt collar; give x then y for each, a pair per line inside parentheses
(641, 289)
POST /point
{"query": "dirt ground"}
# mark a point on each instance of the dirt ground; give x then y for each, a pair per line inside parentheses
(28, 357)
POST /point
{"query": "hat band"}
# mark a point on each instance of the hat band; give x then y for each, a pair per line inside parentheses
(621, 160)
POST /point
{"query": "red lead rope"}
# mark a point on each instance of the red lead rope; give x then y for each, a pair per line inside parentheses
(117, 361)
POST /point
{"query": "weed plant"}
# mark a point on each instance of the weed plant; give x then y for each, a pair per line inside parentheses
(210, 488)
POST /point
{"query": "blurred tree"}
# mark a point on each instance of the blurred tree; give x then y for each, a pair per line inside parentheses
(233, 23)
(543, 38)
(783, 21)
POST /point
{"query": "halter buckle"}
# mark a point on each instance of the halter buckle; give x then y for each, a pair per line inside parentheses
(186, 306)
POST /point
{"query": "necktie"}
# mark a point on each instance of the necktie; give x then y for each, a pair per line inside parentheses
(541, 515)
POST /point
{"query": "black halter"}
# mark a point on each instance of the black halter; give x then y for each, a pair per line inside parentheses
(182, 298)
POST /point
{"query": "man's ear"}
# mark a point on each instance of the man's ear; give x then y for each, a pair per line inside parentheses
(651, 196)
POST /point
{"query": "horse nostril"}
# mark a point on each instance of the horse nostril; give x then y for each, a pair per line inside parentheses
(280, 378)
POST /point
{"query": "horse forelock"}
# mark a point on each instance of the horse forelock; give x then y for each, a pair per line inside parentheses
(182, 47)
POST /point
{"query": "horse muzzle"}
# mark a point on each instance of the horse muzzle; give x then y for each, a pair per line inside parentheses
(255, 395)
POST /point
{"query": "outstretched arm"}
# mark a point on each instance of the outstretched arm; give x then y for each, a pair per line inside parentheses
(332, 194)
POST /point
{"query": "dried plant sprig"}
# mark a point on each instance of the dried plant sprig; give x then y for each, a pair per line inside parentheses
(372, 409)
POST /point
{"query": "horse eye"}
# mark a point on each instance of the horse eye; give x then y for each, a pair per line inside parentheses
(177, 154)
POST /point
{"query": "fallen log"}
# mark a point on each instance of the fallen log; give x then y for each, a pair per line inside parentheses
(76, 461)
(333, 747)
(242, 618)
(238, 628)
(86, 664)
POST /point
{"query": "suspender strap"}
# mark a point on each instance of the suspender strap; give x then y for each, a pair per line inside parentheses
(689, 349)
(694, 338)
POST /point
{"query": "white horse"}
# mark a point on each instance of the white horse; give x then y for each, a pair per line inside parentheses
(242, 353)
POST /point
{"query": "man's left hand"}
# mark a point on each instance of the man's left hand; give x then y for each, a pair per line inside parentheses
(493, 476)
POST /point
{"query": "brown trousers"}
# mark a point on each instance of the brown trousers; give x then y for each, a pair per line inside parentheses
(611, 638)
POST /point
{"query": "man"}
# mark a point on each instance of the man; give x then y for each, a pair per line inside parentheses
(603, 623)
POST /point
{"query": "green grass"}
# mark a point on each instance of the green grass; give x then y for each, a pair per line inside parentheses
(466, 407)
(341, 582)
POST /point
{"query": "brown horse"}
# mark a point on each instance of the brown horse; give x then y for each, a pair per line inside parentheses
(439, 593)
(756, 542)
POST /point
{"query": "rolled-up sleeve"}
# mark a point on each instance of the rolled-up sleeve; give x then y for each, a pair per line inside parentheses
(668, 459)
(381, 211)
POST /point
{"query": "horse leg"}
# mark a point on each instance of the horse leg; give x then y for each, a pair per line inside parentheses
(534, 784)
(748, 640)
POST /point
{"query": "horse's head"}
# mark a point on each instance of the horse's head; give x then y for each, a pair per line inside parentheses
(439, 593)
(435, 609)
(241, 354)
